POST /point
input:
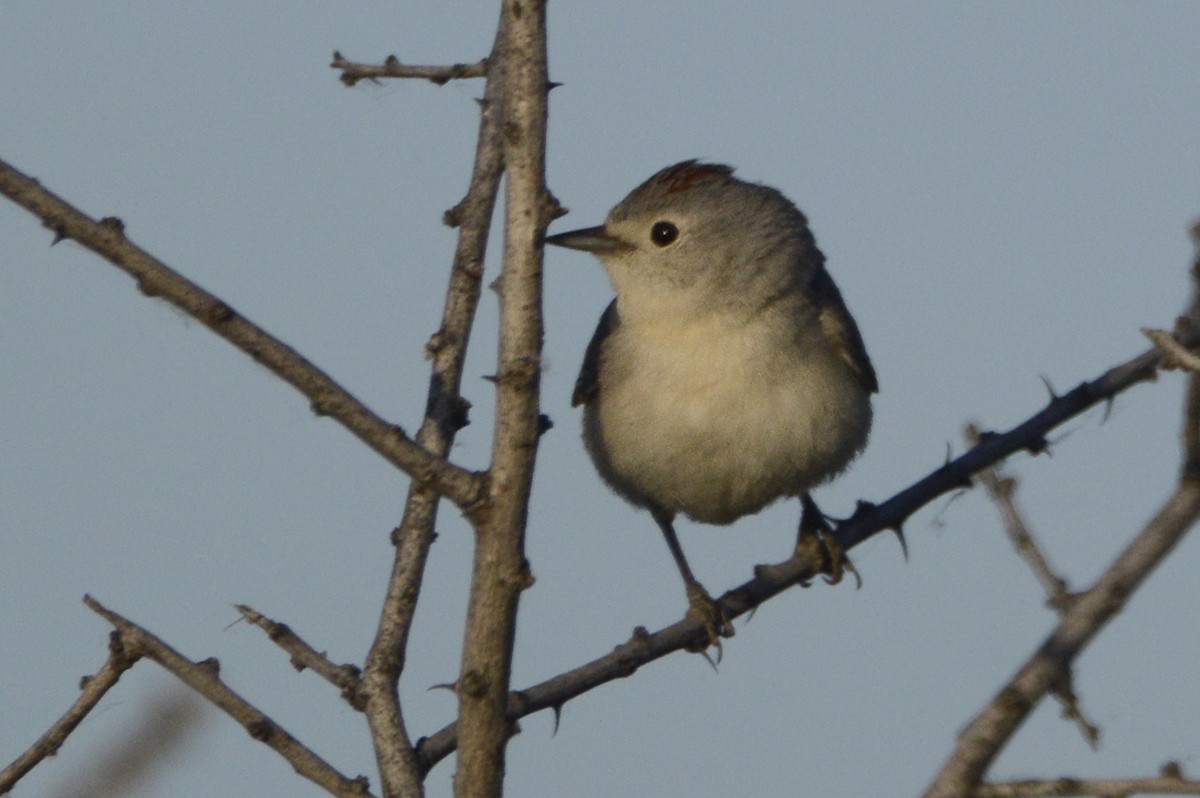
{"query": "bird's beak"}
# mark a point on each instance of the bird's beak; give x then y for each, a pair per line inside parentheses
(595, 240)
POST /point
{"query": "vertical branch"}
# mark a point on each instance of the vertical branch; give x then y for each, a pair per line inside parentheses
(500, 570)
(401, 769)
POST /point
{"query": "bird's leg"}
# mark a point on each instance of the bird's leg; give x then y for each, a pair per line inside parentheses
(816, 531)
(700, 604)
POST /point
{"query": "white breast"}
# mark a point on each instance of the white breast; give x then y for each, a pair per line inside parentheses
(717, 420)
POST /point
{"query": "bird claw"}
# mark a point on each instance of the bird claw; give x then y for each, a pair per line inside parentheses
(816, 540)
(703, 608)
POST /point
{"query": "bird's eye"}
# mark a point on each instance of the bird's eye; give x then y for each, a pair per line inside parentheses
(663, 233)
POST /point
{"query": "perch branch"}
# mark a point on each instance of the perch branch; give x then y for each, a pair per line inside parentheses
(645, 647)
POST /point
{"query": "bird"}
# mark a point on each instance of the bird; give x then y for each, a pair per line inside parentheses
(727, 373)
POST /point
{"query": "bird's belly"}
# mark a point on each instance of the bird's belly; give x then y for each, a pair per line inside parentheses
(717, 437)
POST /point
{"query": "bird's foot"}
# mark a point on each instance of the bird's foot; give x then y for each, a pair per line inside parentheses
(703, 608)
(816, 543)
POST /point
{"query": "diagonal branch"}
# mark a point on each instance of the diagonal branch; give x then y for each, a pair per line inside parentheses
(92, 689)
(106, 238)
(986, 735)
(304, 656)
(202, 677)
(1002, 489)
(770, 581)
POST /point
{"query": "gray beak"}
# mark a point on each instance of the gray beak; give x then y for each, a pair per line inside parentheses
(590, 239)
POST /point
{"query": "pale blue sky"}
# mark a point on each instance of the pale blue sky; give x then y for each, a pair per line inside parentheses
(1003, 192)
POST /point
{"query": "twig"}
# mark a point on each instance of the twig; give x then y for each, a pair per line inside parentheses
(202, 677)
(92, 689)
(1175, 356)
(500, 571)
(391, 67)
(446, 412)
(106, 238)
(1096, 788)
(645, 647)
(344, 677)
(1002, 490)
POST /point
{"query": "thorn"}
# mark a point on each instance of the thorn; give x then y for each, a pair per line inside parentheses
(492, 378)
(391, 62)
(551, 85)
(899, 532)
(337, 56)
(444, 686)
(949, 455)
(1049, 387)
(1108, 406)
(59, 235)
(860, 509)
(709, 659)
(557, 717)
(1039, 445)
(545, 424)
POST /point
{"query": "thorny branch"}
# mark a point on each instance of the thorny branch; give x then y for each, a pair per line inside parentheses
(204, 679)
(106, 237)
(645, 647)
(499, 571)
(1050, 665)
(445, 414)
(353, 72)
(304, 656)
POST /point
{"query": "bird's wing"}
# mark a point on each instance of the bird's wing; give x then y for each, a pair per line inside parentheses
(839, 327)
(588, 382)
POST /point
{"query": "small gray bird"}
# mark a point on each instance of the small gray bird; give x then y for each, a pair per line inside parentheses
(728, 372)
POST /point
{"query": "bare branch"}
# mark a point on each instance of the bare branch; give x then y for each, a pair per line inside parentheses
(1175, 356)
(1002, 490)
(772, 580)
(500, 571)
(106, 238)
(446, 412)
(1050, 666)
(92, 689)
(202, 677)
(1096, 788)
(391, 67)
(344, 677)
(984, 737)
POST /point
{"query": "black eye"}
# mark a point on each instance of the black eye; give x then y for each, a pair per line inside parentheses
(663, 233)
